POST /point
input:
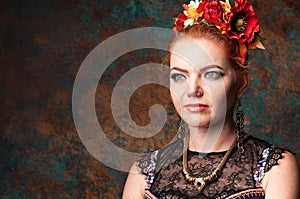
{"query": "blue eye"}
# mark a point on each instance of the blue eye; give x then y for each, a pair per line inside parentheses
(213, 75)
(178, 77)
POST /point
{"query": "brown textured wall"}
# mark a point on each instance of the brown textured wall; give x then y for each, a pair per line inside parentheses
(43, 44)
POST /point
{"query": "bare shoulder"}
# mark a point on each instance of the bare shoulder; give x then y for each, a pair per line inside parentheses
(282, 180)
(135, 184)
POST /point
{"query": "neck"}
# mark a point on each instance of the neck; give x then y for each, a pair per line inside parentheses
(212, 139)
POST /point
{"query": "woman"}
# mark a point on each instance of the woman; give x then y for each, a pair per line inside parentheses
(213, 156)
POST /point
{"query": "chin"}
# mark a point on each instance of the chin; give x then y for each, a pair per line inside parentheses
(203, 121)
(196, 121)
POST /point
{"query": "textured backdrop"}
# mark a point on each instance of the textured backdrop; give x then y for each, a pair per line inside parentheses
(43, 44)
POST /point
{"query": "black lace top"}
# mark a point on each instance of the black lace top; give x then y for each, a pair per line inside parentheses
(241, 176)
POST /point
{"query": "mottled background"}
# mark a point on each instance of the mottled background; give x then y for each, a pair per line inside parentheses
(43, 44)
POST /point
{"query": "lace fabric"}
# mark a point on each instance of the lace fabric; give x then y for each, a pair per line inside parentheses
(240, 172)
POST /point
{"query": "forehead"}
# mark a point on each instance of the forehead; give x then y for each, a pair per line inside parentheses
(197, 53)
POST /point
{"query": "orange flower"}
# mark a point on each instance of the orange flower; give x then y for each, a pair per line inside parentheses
(200, 8)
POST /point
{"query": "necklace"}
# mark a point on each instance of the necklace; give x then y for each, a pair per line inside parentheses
(201, 182)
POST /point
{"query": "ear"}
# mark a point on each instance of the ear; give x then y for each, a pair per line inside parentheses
(244, 80)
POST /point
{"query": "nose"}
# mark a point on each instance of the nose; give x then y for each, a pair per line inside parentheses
(195, 87)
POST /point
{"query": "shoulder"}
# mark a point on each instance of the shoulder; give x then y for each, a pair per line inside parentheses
(277, 170)
(146, 162)
(142, 172)
(135, 183)
(282, 180)
(138, 176)
(257, 143)
(157, 159)
(256, 147)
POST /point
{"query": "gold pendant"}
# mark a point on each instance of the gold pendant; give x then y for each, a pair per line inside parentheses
(199, 183)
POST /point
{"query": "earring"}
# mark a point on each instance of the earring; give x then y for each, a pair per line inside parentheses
(238, 118)
(180, 129)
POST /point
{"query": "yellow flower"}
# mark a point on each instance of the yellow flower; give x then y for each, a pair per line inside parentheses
(192, 13)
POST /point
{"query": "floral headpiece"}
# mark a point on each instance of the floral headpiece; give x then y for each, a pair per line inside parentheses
(238, 23)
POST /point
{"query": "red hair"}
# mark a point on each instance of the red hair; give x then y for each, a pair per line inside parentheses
(205, 31)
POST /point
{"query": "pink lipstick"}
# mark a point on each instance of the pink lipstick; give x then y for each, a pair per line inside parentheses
(196, 107)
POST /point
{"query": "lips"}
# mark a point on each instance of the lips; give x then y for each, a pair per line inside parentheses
(196, 107)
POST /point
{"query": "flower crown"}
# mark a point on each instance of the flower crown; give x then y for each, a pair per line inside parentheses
(238, 23)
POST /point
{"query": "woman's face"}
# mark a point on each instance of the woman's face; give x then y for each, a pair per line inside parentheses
(202, 83)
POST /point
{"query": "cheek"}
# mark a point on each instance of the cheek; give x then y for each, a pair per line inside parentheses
(216, 91)
(230, 95)
(222, 94)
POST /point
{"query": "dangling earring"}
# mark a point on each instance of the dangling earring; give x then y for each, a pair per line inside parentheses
(180, 129)
(238, 118)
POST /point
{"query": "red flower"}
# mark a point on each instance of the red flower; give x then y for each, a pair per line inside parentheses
(213, 12)
(243, 23)
(201, 6)
(179, 21)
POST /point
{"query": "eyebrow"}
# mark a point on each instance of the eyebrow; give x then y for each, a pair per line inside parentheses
(179, 69)
(202, 69)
